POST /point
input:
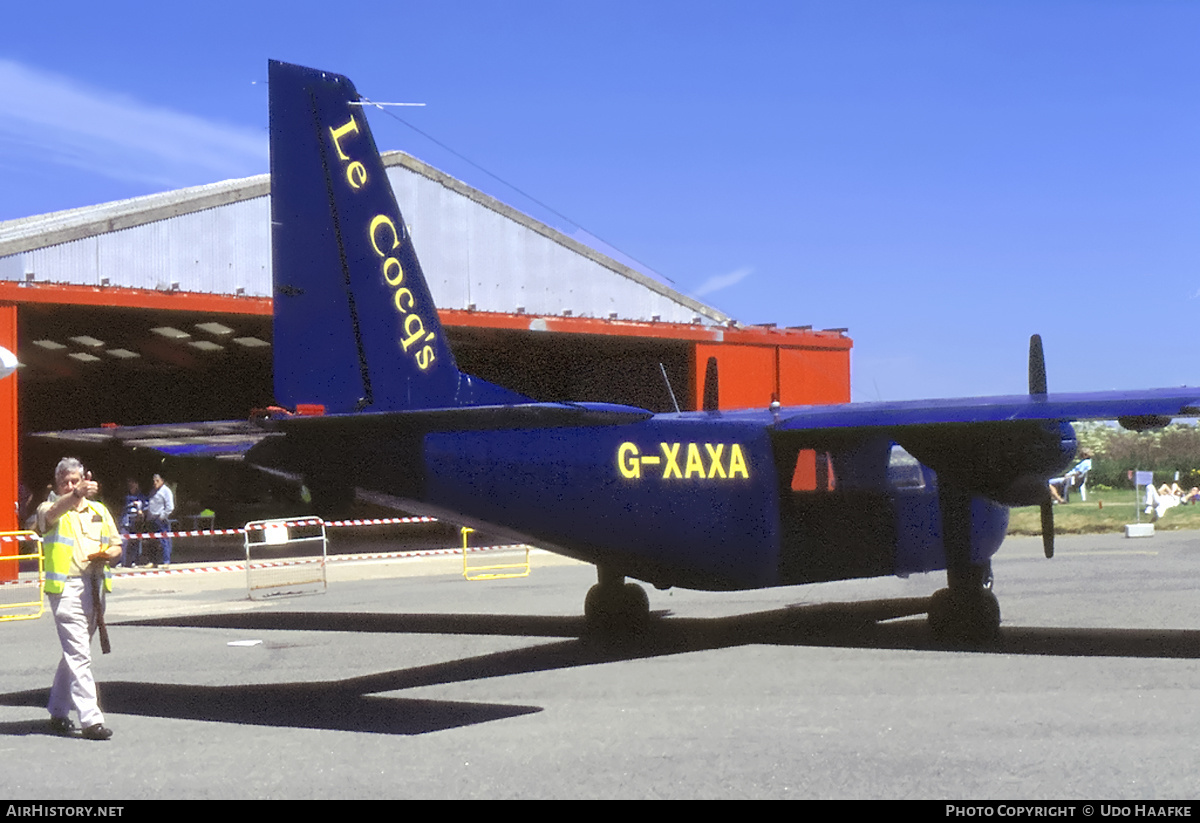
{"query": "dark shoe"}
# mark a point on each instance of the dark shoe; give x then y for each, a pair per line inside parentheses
(62, 725)
(97, 732)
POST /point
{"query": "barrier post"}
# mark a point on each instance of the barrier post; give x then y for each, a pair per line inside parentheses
(493, 572)
(22, 582)
(9, 565)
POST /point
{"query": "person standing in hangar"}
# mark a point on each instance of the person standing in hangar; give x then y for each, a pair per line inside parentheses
(159, 509)
(133, 517)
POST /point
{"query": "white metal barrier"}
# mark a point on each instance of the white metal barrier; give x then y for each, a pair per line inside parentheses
(290, 555)
(285, 557)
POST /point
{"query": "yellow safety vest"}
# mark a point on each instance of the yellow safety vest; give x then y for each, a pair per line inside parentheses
(58, 547)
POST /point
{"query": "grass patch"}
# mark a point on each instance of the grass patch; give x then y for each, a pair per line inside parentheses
(1106, 510)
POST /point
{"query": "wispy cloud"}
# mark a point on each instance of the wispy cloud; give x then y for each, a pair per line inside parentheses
(48, 118)
(723, 281)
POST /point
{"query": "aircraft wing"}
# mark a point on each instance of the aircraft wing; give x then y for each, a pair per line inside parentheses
(1135, 409)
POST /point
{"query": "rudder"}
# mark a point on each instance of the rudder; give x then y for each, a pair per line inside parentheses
(355, 326)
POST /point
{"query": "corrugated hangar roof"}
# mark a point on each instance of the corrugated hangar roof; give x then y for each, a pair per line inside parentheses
(477, 252)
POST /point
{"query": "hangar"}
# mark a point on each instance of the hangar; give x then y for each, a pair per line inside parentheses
(158, 309)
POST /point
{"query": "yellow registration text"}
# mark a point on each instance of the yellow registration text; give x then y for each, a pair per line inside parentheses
(683, 461)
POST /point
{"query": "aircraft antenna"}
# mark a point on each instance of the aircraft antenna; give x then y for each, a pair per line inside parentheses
(670, 391)
(712, 392)
(365, 102)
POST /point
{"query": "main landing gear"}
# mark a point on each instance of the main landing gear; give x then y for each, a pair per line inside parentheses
(613, 606)
(967, 611)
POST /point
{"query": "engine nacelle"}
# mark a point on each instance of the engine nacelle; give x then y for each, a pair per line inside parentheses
(1144, 422)
(1010, 463)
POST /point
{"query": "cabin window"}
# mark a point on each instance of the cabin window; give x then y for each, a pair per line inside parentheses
(904, 470)
(813, 472)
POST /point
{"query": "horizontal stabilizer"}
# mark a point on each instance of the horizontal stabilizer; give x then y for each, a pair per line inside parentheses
(481, 418)
(222, 438)
(234, 438)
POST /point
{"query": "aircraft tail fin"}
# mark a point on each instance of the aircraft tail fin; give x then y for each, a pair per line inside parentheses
(355, 326)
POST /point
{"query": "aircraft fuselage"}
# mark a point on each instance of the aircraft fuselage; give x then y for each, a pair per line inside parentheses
(704, 501)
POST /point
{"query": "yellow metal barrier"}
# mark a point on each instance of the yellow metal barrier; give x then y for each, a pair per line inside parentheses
(492, 572)
(24, 580)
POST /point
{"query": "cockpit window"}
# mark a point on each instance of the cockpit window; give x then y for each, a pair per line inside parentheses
(904, 471)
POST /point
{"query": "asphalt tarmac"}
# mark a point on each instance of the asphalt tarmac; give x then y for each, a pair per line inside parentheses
(403, 680)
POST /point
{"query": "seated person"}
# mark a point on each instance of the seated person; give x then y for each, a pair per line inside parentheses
(1163, 498)
(1060, 486)
(1172, 490)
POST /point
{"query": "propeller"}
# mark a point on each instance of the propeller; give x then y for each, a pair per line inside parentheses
(8, 363)
(1037, 387)
(1048, 527)
(1037, 366)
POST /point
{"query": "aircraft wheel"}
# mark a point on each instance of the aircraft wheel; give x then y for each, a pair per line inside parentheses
(971, 617)
(617, 609)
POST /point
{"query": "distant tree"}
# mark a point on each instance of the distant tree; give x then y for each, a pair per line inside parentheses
(1116, 452)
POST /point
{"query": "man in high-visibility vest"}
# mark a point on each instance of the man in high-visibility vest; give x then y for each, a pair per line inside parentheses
(79, 540)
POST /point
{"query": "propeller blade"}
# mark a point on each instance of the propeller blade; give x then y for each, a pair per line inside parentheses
(1037, 366)
(1037, 385)
(1048, 527)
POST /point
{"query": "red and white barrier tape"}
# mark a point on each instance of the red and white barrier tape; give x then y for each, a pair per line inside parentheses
(240, 566)
(310, 521)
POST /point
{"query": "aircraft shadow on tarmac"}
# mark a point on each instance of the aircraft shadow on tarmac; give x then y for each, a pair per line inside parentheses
(350, 704)
(872, 624)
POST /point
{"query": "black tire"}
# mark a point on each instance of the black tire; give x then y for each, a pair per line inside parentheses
(620, 610)
(971, 617)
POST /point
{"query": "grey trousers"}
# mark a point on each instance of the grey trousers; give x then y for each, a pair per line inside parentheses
(74, 686)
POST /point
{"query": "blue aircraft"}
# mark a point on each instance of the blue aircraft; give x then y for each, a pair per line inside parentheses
(712, 500)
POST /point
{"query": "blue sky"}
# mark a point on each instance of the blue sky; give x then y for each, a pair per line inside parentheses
(943, 178)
